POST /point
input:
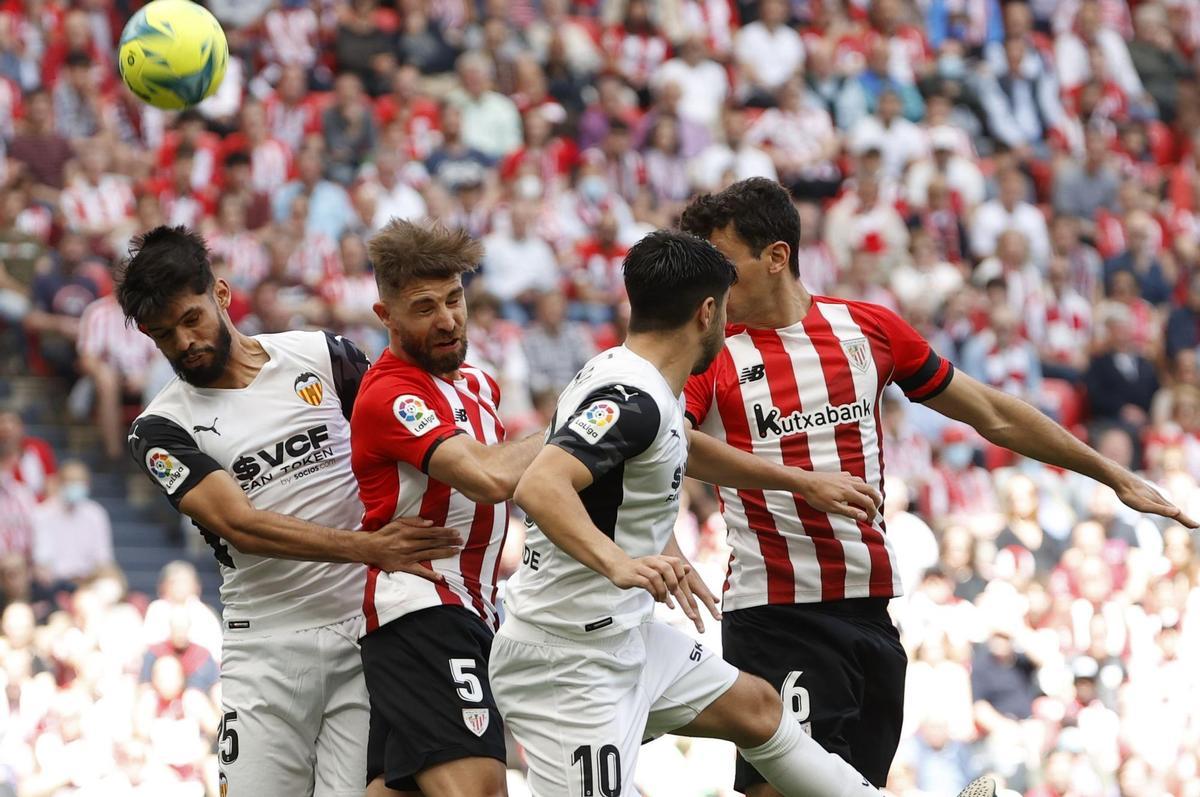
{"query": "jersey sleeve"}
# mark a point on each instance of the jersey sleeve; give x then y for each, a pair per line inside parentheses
(400, 422)
(613, 424)
(165, 452)
(698, 394)
(919, 371)
(348, 364)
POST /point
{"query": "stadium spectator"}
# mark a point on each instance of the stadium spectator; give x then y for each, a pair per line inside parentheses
(1141, 258)
(901, 141)
(1002, 357)
(519, 264)
(16, 520)
(1159, 62)
(1120, 381)
(555, 348)
(199, 666)
(179, 589)
(960, 174)
(800, 138)
(62, 289)
(490, 121)
(349, 128)
(703, 83)
(77, 106)
(1021, 110)
(1082, 189)
(328, 205)
(72, 536)
(1009, 210)
(733, 157)
(768, 53)
(27, 459)
(1059, 322)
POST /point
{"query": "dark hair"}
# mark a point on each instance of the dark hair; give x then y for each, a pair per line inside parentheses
(78, 58)
(237, 158)
(668, 274)
(163, 264)
(761, 211)
(403, 251)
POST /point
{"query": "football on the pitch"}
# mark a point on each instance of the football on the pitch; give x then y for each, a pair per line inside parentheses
(173, 53)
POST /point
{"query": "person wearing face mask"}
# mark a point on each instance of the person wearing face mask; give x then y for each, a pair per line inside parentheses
(957, 486)
(72, 537)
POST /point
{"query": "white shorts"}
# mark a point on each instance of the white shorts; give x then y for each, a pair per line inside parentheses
(581, 708)
(294, 713)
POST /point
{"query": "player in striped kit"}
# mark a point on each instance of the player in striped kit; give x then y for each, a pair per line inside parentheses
(799, 382)
(428, 440)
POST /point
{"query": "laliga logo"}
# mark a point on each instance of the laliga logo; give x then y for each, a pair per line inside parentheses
(162, 464)
(410, 410)
(600, 414)
(414, 414)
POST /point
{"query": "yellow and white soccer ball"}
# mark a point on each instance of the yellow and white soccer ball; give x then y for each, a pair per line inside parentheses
(173, 54)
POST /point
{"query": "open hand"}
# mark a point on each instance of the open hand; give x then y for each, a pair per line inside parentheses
(692, 587)
(1137, 493)
(403, 544)
(841, 494)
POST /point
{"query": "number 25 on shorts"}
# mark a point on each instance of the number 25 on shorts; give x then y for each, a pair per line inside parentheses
(795, 699)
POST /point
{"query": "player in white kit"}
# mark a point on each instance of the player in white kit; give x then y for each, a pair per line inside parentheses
(580, 670)
(252, 441)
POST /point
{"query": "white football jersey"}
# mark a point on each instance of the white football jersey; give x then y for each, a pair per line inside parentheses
(285, 438)
(621, 419)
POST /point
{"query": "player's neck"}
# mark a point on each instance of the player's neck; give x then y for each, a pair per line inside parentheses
(246, 358)
(781, 308)
(666, 352)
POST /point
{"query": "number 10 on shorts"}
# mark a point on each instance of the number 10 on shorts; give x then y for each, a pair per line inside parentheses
(795, 699)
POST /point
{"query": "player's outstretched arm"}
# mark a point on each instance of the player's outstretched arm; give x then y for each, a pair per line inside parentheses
(549, 493)
(220, 506)
(714, 462)
(1012, 423)
(485, 474)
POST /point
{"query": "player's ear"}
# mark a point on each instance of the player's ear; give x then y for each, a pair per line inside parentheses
(222, 293)
(778, 255)
(707, 313)
(381, 312)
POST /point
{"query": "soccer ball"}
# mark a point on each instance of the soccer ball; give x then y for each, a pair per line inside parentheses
(173, 54)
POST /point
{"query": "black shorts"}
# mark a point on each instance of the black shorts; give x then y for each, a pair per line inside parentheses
(840, 669)
(427, 675)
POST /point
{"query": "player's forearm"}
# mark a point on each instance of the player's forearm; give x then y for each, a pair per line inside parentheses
(270, 534)
(506, 463)
(554, 505)
(1022, 428)
(714, 462)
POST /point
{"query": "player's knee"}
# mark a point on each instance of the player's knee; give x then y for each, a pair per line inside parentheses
(758, 713)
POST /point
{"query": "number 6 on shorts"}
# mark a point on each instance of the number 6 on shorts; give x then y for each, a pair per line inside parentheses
(795, 696)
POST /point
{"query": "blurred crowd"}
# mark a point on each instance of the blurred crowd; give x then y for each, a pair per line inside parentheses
(1018, 179)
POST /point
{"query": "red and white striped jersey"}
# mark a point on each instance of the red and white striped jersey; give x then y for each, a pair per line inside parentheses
(102, 206)
(245, 256)
(808, 396)
(401, 416)
(104, 335)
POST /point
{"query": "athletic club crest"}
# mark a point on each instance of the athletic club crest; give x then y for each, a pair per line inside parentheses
(858, 354)
(476, 720)
(308, 387)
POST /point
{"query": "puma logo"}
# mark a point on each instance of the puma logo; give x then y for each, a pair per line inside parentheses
(212, 428)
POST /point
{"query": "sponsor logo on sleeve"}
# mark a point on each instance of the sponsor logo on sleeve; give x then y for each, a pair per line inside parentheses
(414, 415)
(594, 422)
(166, 470)
(476, 720)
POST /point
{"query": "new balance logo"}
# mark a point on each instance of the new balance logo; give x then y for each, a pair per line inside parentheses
(213, 428)
(752, 374)
(460, 415)
(770, 421)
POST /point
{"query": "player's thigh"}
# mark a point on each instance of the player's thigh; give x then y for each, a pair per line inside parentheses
(342, 746)
(427, 676)
(810, 663)
(876, 734)
(270, 695)
(682, 678)
(578, 713)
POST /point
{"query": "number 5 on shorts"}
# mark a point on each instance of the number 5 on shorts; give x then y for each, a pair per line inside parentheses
(795, 696)
(469, 688)
(227, 738)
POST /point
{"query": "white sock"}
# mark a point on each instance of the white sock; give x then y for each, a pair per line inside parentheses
(799, 767)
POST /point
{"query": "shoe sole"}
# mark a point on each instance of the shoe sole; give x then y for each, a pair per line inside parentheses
(980, 787)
